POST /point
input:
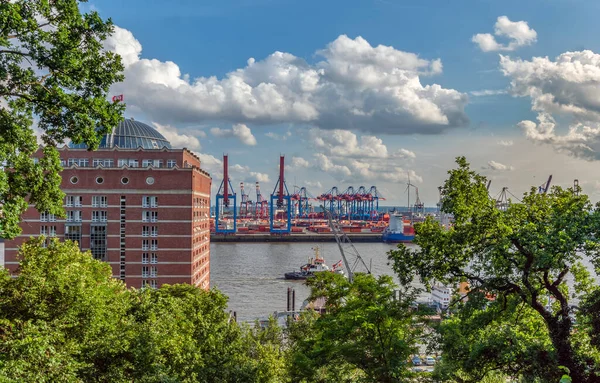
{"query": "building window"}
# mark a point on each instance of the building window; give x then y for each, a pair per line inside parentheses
(154, 258)
(43, 230)
(99, 201)
(47, 217)
(81, 162)
(52, 231)
(149, 201)
(74, 180)
(124, 180)
(145, 244)
(145, 272)
(73, 233)
(153, 284)
(145, 258)
(145, 284)
(153, 271)
(171, 163)
(74, 200)
(145, 231)
(154, 244)
(99, 216)
(150, 180)
(74, 216)
(104, 162)
(147, 163)
(98, 241)
(133, 163)
(122, 162)
(99, 180)
(149, 216)
(154, 231)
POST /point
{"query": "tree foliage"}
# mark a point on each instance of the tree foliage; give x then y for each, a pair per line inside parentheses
(366, 334)
(522, 256)
(65, 319)
(54, 74)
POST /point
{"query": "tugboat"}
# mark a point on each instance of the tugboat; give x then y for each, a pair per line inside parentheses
(314, 264)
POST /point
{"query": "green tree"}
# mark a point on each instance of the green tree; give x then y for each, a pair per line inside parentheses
(54, 74)
(524, 253)
(366, 334)
(65, 319)
(63, 307)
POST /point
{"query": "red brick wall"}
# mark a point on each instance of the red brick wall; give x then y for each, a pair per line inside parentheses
(183, 213)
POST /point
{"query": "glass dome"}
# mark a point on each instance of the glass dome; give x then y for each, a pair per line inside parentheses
(131, 134)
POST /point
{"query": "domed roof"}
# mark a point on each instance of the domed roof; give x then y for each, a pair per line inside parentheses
(131, 134)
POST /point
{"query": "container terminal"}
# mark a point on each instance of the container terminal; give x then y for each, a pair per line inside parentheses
(300, 217)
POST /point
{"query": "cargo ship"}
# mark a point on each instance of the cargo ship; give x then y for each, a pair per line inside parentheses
(398, 230)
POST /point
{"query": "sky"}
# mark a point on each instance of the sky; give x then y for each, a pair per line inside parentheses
(368, 92)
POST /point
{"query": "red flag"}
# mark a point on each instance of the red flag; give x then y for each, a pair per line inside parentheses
(117, 98)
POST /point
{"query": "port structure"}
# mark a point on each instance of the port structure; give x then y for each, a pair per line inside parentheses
(226, 206)
(261, 207)
(352, 204)
(331, 201)
(351, 256)
(281, 204)
(419, 207)
(246, 210)
(301, 207)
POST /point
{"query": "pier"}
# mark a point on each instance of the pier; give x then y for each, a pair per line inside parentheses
(292, 237)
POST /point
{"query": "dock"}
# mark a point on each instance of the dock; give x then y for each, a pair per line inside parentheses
(294, 237)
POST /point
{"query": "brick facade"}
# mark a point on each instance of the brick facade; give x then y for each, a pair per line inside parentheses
(146, 213)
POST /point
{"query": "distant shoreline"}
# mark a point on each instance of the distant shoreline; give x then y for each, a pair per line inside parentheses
(354, 237)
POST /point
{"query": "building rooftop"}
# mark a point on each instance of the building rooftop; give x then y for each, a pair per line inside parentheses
(131, 134)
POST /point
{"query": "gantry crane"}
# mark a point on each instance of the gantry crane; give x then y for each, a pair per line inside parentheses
(347, 249)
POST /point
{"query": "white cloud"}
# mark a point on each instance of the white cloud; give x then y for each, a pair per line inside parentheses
(344, 143)
(279, 137)
(568, 87)
(368, 169)
(581, 141)
(178, 140)
(505, 143)
(518, 33)
(260, 177)
(314, 184)
(299, 162)
(487, 92)
(356, 85)
(239, 131)
(493, 165)
(244, 134)
(324, 164)
(404, 153)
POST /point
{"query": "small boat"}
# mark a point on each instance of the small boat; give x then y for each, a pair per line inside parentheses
(314, 265)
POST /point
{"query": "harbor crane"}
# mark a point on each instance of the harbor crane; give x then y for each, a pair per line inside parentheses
(349, 253)
(419, 206)
(225, 198)
(543, 188)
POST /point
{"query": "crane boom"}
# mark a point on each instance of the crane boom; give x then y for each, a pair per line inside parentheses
(343, 241)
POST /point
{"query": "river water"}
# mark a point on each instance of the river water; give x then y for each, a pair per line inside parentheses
(251, 274)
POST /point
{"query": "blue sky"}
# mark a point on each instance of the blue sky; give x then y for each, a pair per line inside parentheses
(333, 143)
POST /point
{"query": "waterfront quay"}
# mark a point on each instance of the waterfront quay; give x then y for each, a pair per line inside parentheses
(292, 237)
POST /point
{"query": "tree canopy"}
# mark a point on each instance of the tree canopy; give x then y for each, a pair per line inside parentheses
(529, 257)
(54, 76)
(65, 319)
(367, 334)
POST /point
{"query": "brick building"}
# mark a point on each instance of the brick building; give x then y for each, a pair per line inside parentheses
(135, 203)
